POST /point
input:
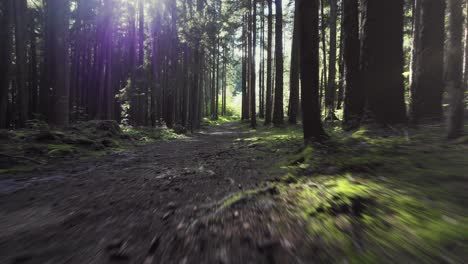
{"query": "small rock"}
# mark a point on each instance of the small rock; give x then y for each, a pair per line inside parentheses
(180, 226)
(231, 181)
(115, 244)
(171, 205)
(449, 220)
(312, 184)
(352, 179)
(167, 215)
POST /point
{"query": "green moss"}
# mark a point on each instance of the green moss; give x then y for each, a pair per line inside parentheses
(382, 216)
(221, 120)
(60, 150)
(149, 135)
(238, 197)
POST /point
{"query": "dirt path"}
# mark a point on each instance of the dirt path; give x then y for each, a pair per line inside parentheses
(125, 207)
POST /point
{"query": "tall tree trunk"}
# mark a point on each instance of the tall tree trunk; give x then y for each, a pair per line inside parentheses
(382, 70)
(341, 67)
(61, 64)
(278, 113)
(465, 75)
(245, 102)
(310, 74)
(213, 81)
(21, 12)
(269, 89)
(262, 63)
(217, 80)
(224, 97)
(253, 105)
(454, 69)
(323, 27)
(6, 39)
(294, 72)
(33, 67)
(428, 64)
(354, 92)
(330, 90)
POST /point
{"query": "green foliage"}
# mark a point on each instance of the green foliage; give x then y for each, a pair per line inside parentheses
(38, 144)
(148, 135)
(60, 150)
(221, 120)
(375, 195)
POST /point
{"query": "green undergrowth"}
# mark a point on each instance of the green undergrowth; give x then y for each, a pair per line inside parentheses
(148, 135)
(206, 122)
(374, 195)
(363, 221)
(271, 139)
(39, 145)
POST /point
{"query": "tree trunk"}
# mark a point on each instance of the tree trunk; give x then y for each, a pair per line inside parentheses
(331, 84)
(278, 113)
(427, 85)
(245, 102)
(294, 72)
(262, 63)
(341, 66)
(310, 74)
(6, 39)
(21, 11)
(382, 60)
(253, 107)
(454, 69)
(324, 79)
(33, 67)
(61, 65)
(354, 92)
(269, 89)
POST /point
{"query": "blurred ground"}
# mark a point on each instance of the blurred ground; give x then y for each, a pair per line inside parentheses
(230, 195)
(111, 208)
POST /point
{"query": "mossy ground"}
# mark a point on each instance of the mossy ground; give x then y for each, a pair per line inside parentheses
(27, 149)
(221, 120)
(373, 195)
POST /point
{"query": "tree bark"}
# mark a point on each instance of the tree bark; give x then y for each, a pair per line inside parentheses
(310, 75)
(278, 113)
(294, 72)
(245, 96)
(6, 47)
(330, 90)
(454, 69)
(354, 92)
(21, 12)
(253, 106)
(382, 61)
(427, 85)
(269, 89)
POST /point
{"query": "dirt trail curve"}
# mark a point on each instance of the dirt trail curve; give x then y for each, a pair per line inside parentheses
(118, 208)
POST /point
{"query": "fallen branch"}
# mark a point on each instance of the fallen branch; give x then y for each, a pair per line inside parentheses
(21, 158)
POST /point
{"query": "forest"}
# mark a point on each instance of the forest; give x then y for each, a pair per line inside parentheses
(233, 131)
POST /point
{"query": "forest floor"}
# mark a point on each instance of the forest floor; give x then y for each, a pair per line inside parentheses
(228, 194)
